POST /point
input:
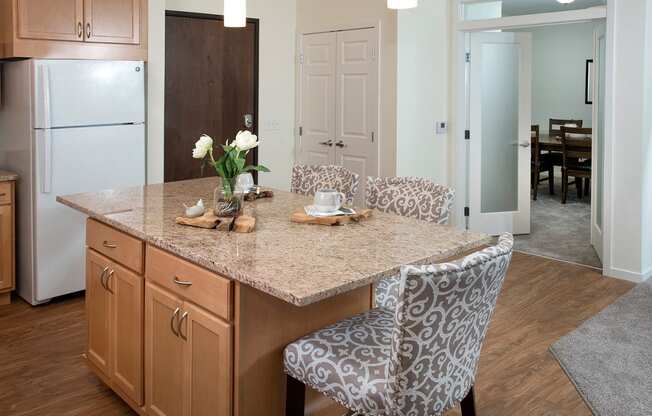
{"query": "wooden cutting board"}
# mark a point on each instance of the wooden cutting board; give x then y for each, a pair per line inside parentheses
(301, 217)
(243, 224)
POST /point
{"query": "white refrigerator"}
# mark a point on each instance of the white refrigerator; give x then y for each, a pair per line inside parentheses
(66, 127)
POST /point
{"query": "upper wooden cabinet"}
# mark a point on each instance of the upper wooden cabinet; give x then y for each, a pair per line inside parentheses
(53, 19)
(73, 29)
(112, 21)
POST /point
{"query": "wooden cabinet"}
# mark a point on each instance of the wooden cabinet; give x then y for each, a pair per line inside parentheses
(114, 309)
(7, 242)
(189, 358)
(73, 29)
(112, 21)
(52, 19)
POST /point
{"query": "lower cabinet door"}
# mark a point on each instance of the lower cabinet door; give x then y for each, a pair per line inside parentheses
(6, 247)
(164, 352)
(98, 312)
(127, 331)
(209, 363)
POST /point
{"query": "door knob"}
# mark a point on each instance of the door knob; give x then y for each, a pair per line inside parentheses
(327, 143)
(340, 144)
(522, 144)
(248, 120)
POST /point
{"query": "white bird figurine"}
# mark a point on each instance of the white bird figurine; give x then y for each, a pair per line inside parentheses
(196, 210)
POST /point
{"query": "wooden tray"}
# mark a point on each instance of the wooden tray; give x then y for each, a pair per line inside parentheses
(243, 224)
(301, 217)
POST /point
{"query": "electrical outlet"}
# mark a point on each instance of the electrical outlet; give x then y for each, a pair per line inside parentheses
(442, 127)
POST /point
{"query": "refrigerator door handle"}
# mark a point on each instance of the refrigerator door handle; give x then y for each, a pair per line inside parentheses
(46, 165)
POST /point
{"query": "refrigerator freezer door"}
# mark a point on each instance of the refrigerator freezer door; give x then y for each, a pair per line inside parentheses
(87, 93)
(84, 159)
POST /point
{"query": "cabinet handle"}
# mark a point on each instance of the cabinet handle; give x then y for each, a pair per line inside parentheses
(80, 29)
(174, 316)
(182, 282)
(88, 30)
(3, 194)
(108, 276)
(109, 245)
(183, 318)
(102, 276)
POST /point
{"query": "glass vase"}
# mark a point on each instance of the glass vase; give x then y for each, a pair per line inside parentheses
(228, 201)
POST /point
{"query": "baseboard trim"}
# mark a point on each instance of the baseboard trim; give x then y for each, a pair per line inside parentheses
(628, 275)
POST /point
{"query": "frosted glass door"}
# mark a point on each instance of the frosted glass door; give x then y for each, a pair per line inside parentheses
(500, 108)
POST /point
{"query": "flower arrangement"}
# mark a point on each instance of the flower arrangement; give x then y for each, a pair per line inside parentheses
(229, 166)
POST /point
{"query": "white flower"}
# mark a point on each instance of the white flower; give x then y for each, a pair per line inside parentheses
(202, 147)
(244, 141)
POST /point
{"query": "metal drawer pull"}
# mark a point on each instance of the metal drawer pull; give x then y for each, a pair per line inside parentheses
(108, 276)
(182, 282)
(183, 318)
(109, 245)
(102, 276)
(174, 316)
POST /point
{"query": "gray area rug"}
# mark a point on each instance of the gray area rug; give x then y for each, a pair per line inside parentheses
(609, 357)
(559, 231)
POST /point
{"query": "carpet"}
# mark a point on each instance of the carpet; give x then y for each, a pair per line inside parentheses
(609, 357)
(559, 231)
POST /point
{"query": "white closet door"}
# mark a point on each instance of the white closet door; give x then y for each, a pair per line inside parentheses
(316, 142)
(356, 139)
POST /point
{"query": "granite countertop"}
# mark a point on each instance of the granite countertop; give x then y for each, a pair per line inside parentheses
(7, 176)
(300, 264)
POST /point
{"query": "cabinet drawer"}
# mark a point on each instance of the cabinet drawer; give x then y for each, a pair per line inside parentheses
(116, 245)
(205, 289)
(6, 194)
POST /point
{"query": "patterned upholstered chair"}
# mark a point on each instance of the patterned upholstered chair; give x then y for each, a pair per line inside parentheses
(410, 197)
(419, 359)
(307, 180)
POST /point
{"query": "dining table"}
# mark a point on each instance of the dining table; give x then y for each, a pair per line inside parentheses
(550, 142)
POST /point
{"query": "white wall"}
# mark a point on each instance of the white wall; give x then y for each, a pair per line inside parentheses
(558, 72)
(646, 152)
(422, 90)
(276, 83)
(625, 185)
(323, 15)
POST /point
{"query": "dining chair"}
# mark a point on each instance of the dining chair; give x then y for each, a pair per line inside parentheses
(419, 359)
(542, 163)
(307, 180)
(554, 128)
(576, 153)
(411, 197)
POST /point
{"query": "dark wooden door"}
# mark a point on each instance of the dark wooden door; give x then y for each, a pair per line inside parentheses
(211, 83)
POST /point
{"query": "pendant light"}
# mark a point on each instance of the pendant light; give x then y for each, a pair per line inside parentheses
(235, 13)
(402, 4)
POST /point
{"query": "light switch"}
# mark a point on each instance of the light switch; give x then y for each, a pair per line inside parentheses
(441, 127)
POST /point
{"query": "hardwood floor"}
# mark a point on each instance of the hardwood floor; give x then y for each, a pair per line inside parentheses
(42, 371)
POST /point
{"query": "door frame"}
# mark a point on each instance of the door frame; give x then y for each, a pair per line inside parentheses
(256, 23)
(460, 117)
(316, 29)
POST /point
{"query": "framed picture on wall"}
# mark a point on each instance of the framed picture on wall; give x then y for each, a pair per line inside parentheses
(588, 86)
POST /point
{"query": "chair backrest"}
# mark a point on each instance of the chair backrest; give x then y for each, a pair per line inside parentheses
(556, 123)
(411, 197)
(307, 180)
(441, 321)
(576, 144)
(535, 134)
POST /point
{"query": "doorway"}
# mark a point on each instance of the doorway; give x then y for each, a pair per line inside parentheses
(211, 87)
(339, 101)
(501, 146)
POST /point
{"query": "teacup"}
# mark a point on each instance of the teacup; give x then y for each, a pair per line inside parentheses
(328, 200)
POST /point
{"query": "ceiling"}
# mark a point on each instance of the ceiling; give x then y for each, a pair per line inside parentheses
(521, 7)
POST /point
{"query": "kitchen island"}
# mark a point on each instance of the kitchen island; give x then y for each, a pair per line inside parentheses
(187, 321)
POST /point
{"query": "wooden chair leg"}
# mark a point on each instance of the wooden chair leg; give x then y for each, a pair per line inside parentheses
(295, 397)
(578, 183)
(468, 404)
(551, 180)
(564, 187)
(535, 183)
(587, 186)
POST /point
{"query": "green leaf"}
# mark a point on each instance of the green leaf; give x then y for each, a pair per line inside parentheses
(259, 168)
